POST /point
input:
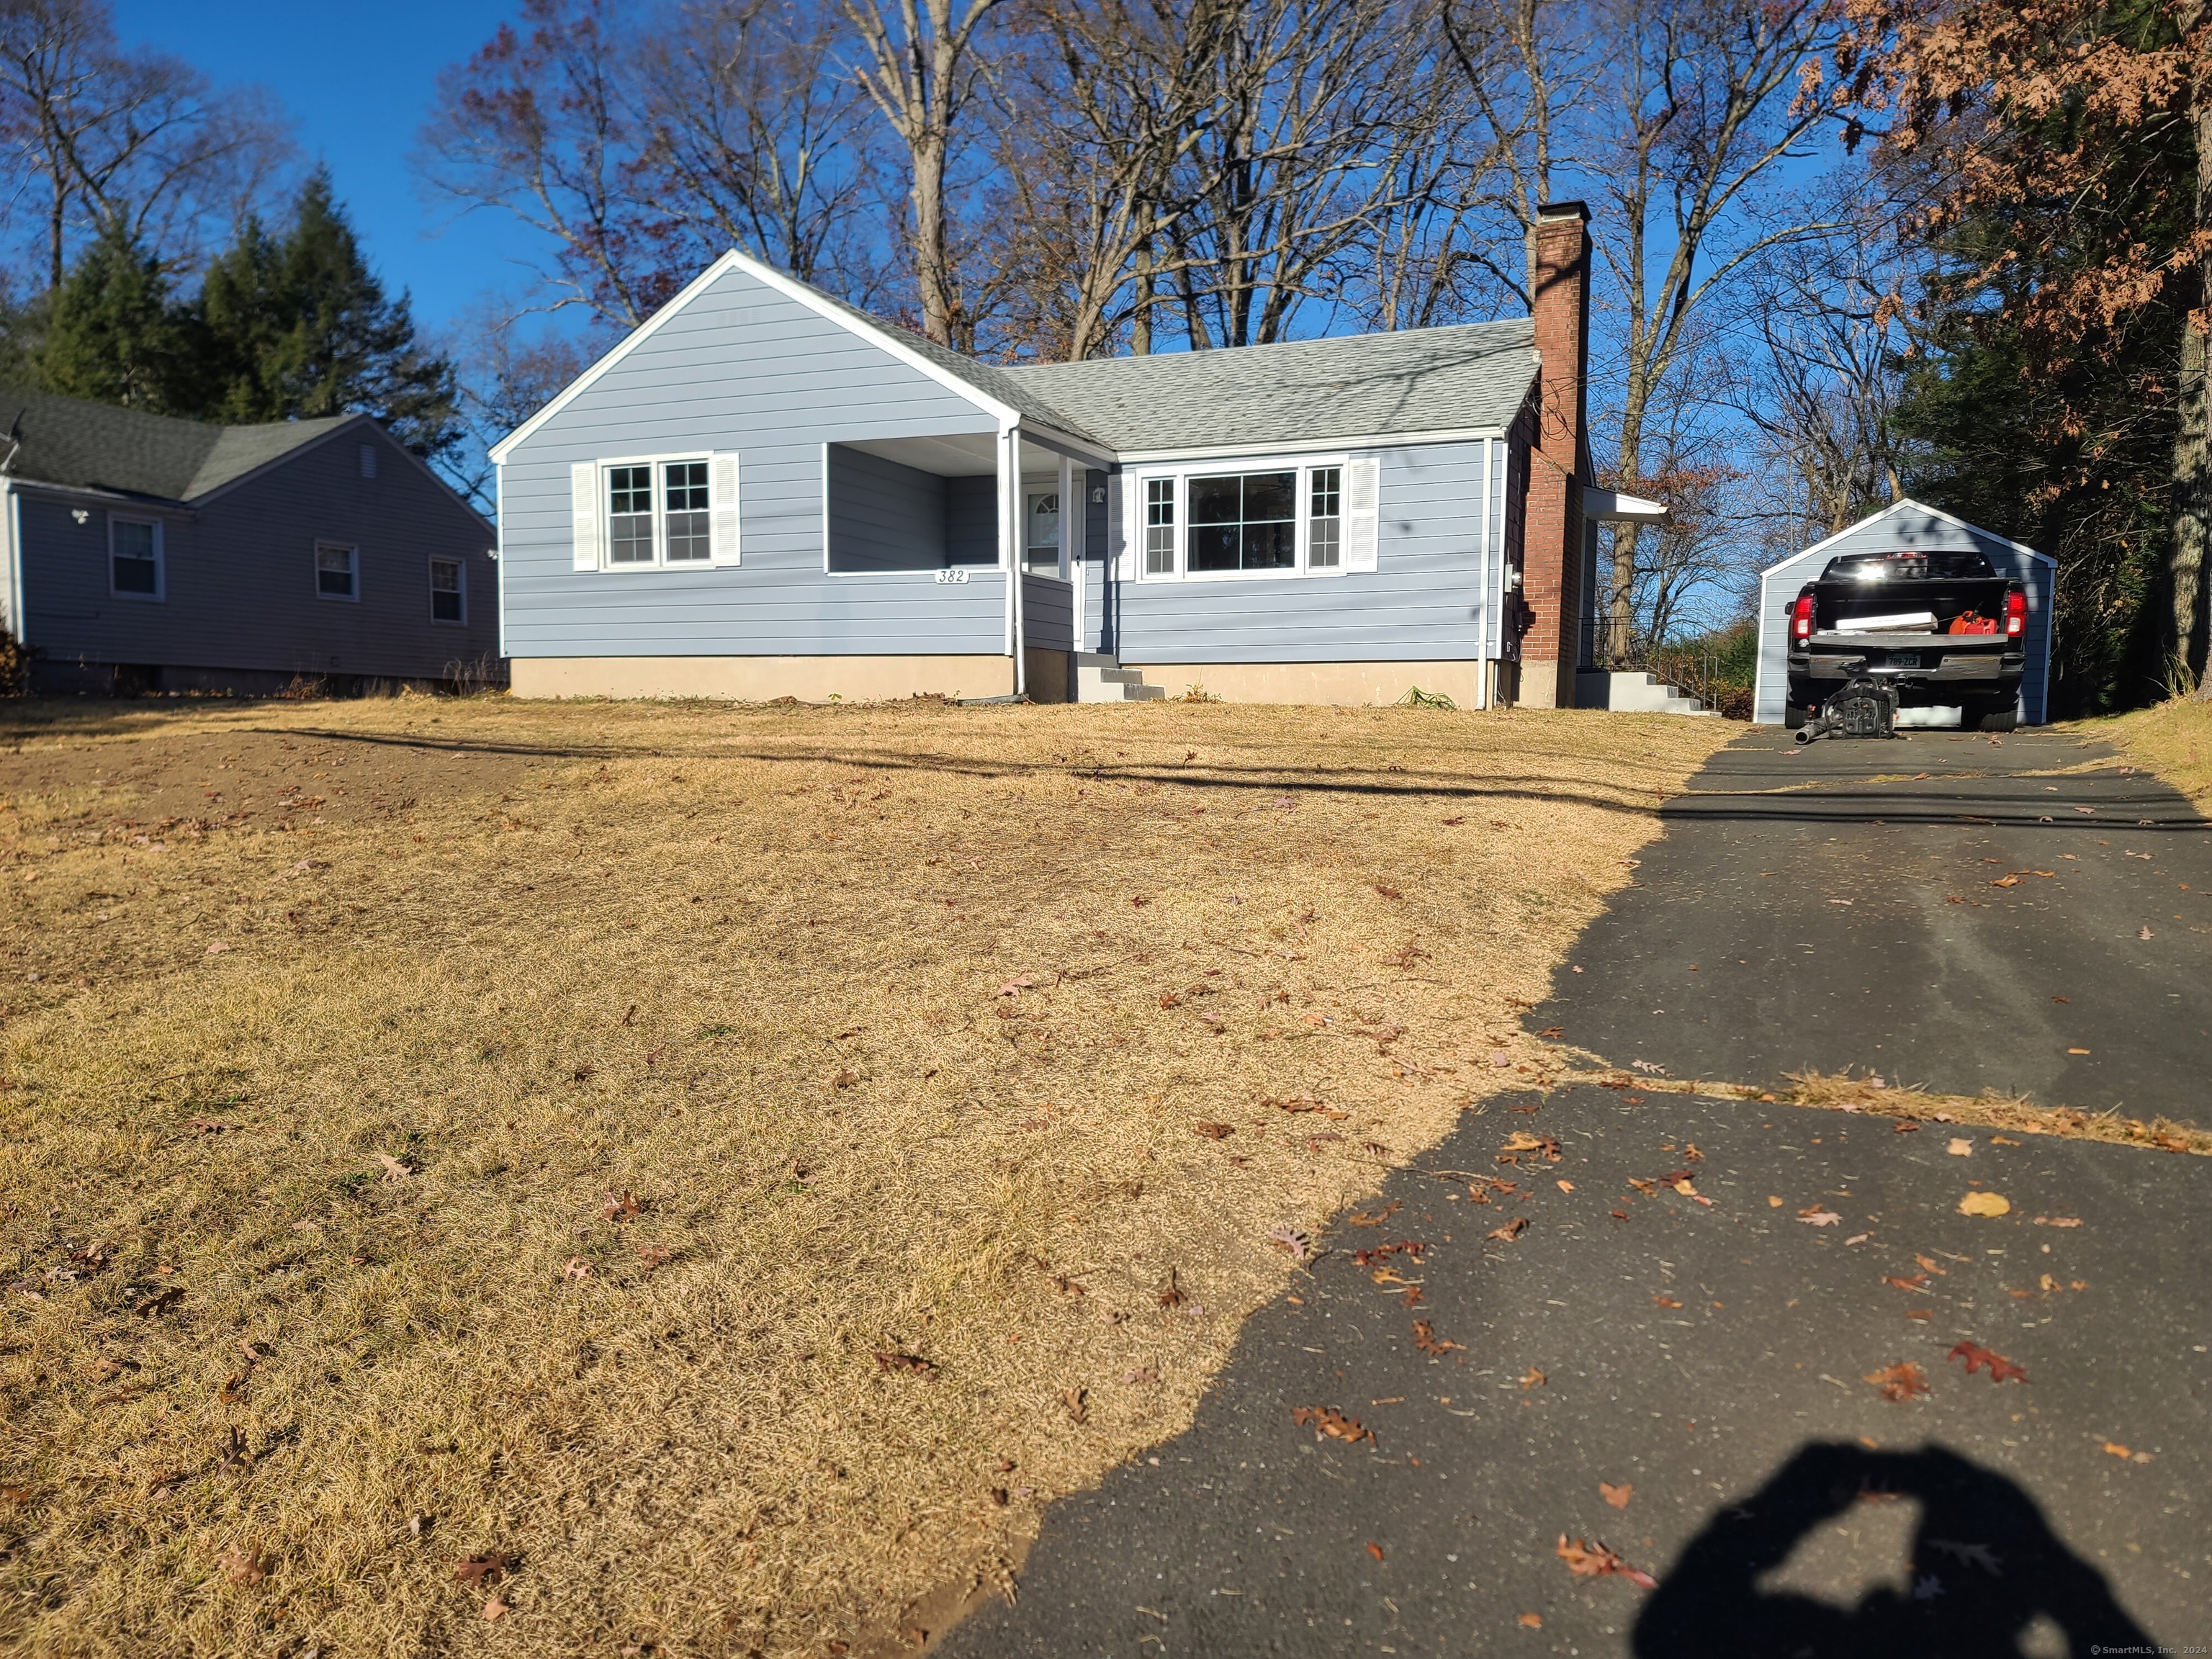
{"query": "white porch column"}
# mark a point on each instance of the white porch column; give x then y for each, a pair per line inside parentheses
(1010, 547)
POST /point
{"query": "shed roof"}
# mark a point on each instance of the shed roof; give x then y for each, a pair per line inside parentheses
(70, 440)
(1468, 376)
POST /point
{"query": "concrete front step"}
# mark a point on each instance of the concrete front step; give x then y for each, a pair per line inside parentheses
(1101, 679)
(1632, 692)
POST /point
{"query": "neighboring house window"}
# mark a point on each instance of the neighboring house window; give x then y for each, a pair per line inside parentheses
(1160, 527)
(1325, 518)
(337, 571)
(629, 515)
(1041, 550)
(368, 461)
(133, 558)
(689, 538)
(1243, 521)
(448, 592)
(659, 513)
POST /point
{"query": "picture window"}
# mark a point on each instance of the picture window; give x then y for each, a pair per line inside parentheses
(1243, 521)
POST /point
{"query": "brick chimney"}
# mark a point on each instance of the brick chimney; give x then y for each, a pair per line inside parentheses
(1552, 542)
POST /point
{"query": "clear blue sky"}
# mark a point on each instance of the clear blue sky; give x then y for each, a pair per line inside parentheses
(357, 81)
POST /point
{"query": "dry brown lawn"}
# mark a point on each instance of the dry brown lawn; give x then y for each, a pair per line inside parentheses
(2172, 739)
(724, 1168)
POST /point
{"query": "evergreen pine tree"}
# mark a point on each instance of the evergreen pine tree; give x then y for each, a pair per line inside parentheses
(112, 334)
(298, 326)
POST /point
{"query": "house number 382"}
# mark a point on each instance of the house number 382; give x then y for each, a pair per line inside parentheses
(955, 574)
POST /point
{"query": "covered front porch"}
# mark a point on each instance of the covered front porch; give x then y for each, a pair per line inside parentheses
(968, 507)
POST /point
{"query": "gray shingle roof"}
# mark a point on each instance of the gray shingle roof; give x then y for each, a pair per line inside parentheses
(1424, 379)
(68, 441)
(1418, 380)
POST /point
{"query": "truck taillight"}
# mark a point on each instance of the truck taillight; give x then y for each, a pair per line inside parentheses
(2015, 615)
(1800, 618)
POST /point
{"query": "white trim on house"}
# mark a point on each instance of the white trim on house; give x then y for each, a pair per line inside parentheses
(788, 288)
(159, 560)
(1612, 507)
(654, 465)
(460, 589)
(352, 551)
(1151, 457)
(11, 560)
(1304, 466)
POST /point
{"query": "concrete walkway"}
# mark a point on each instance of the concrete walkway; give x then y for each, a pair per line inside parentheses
(1686, 1383)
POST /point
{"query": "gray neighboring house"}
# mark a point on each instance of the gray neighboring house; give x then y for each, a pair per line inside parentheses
(143, 553)
(765, 491)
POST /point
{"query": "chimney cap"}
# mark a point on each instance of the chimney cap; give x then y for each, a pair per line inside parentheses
(1564, 211)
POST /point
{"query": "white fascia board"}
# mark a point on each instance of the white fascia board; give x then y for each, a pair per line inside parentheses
(1075, 448)
(1611, 506)
(1308, 446)
(1896, 507)
(798, 292)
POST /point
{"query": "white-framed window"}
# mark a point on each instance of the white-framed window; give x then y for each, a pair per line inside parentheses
(1324, 518)
(658, 513)
(1160, 527)
(337, 571)
(1258, 518)
(449, 591)
(134, 559)
(1041, 532)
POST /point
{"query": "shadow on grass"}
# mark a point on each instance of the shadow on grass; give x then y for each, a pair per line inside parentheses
(1986, 1567)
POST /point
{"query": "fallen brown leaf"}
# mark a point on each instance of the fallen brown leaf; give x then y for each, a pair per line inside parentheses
(1588, 1560)
(624, 1208)
(245, 1566)
(1917, 1281)
(1328, 1420)
(1375, 1549)
(1511, 1230)
(1078, 1402)
(1617, 1496)
(912, 1363)
(484, 1571)
(1213, 1130)
(494, 1610)
(1426, 1339)
(1665, 1302)
(1899, 1383)
(2001, 1370)
(1534, 1378)
(1374, 1219)
(1530, 1620)
(577, 1271)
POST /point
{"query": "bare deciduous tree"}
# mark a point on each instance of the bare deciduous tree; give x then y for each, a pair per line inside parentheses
(920, 66)
(111, 140)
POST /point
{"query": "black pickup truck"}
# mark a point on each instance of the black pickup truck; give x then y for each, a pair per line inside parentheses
(1940, 626)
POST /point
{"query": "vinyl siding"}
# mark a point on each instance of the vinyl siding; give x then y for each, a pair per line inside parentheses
(1425, 600)
(1048, 613)
(1912, 527)
(240, 574)
(971, 520)
(884, 516)
(740, 369)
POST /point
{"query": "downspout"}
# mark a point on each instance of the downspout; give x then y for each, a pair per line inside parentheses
(11, 522)
(1009, 551)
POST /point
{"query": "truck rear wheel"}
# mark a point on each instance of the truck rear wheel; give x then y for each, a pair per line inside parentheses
(1793, 718)
(1989, 715)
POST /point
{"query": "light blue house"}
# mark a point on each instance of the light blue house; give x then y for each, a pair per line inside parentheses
(765, 492)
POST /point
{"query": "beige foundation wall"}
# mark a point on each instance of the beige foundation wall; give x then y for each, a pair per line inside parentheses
(1341, 683)
(762, 679)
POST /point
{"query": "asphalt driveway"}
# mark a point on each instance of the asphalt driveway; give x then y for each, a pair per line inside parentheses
(1955, 911)
(1685, 1353)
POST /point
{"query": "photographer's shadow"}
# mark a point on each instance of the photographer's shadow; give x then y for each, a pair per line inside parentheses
(1985, 1568)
